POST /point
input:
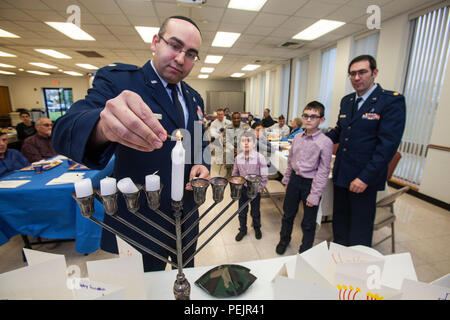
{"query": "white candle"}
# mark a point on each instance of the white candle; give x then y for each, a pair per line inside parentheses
(107, 186)
(83, 188)
(152, 182)
(178, 154)
(126, 185)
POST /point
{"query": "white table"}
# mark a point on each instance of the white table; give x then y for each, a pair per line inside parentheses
(159, 284)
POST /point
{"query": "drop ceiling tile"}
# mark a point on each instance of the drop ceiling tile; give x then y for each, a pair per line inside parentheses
(287, 7)
(259, 30)
(269, 20)
(207, 13)
(137, 8)
(165, 10)
(15, 15)
(113, 19)
(101, 6)
(144, 21)
(232, 16)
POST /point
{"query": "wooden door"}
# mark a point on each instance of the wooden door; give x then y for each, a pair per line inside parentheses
(5, 101)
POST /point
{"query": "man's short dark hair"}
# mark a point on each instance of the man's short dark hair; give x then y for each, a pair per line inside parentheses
(281, 117)
(220, 109)
(316, 106)
(364, 57)
(23, 112)
(163, 27)
(267, 109)
(236, 112)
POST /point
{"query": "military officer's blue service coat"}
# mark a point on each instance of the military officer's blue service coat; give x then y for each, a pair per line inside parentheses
(71, 133)
(369, 139)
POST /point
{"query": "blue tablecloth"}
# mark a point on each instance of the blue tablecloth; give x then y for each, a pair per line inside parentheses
(49, 211)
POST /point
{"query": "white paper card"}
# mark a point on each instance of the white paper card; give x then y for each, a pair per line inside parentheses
(319, 258)
(68, 177)
(91, 290)
(126, 250)
(293, 289)
(415, 290)
(396, 268)
(125, 272)
(43, 281)
(9, 184)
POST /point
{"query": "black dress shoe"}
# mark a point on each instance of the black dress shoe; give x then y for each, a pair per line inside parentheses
(281, 247)
(240, 235)
(258, 233)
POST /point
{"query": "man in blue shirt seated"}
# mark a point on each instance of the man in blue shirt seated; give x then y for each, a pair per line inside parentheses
(10, 160)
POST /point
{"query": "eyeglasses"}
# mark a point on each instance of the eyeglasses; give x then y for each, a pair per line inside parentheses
(178, 48)
(310, 116)
(46, 124)
(360, 73)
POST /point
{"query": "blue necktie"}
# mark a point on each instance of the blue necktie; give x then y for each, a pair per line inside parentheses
(355, 107)
(176, 102)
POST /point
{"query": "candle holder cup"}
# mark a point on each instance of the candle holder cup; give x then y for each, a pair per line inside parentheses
(181, 287)
(154, 198)
(109, 202)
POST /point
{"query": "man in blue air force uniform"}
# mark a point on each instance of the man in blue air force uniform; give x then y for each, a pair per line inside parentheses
(369, 130)
(129, 112)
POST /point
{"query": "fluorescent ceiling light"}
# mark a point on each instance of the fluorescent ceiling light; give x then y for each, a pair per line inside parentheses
(237, 75)
(6, 54)
(73, 73)
(87, 66)
(225, 39)
(251, 5)
(53, 53)
(203, 76)
(213, 59)
(71, 30)
(43, 65)
(4, 65)
(147, 33)
(251, 67)
(318, 29)
(39, 72)
(206, 70)
(6, 72)
(6, 34)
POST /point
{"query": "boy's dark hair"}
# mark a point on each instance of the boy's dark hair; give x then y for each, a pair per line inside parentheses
(162, 29)
(316, 106)
(250, 134)
(364, 57)
(256, 124)
(220, 109)
(281, 117)
(23, 112)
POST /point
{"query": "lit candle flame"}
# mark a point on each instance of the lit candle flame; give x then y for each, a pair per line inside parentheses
(179, 135)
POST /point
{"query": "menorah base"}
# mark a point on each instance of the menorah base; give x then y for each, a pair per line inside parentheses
(181, 288)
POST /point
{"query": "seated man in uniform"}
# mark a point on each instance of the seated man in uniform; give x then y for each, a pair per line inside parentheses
(10, 160)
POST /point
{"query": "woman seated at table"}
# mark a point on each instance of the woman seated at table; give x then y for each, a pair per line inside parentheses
(10, 160)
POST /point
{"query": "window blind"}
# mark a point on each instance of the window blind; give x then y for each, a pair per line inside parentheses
(423, 85)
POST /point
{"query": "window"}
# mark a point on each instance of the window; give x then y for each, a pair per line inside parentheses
(326, 82)
(426, 69)
(300, 83)
(57, 101)
(284, 90)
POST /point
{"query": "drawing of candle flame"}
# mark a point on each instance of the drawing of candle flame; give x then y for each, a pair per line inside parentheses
(348, 297)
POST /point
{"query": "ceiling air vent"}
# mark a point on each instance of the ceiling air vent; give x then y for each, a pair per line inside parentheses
(90, 54)
(291, 45)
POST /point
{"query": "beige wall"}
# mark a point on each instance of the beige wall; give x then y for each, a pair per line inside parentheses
(26, 91)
